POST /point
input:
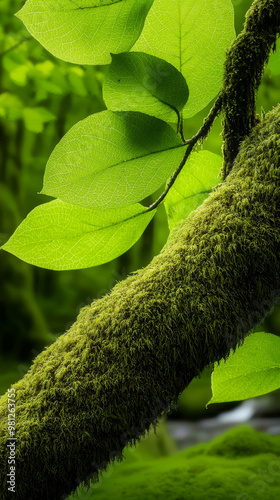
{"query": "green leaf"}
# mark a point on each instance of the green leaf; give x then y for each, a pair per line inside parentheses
(193, 36)
(253, 370)
(10, 106)
(141, 82)
(192, 186)
(61, 236)
(112, 159)
(85, 31)
(34, 118)
(274, 61)
(19, 74)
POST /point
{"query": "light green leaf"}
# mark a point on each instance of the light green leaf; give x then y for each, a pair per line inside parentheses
(85, 31)
(192, 186)
(193, 36)
(112, 159)
(253, 370)
(46, 68)
(141, 82)
(19, 74)
(63, 236)
(274, 61)
(10, 106)
(34, 118)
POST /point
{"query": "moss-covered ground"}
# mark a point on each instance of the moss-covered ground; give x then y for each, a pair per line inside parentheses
(242, 464)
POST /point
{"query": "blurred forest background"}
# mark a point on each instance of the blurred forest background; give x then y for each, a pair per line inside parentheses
(40, 99)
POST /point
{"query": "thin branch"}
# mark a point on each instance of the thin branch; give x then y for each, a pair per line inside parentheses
(201, 134)
(181, 127)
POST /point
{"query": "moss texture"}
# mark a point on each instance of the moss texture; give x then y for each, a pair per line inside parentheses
(243, 71)
(130, 354)
(240, 465)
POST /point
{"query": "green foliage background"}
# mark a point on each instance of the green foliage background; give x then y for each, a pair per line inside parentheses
(41, 98)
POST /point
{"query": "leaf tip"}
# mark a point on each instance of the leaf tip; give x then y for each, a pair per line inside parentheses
(19, 14)
(210, 402)
(5, 247)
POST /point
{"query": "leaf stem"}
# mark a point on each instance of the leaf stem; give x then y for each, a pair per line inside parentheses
(181, 127)
(201, 134)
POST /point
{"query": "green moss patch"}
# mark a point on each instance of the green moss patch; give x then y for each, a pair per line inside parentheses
(242, 464)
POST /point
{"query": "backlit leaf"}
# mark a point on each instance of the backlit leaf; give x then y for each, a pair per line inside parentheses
(112, 159)
(192, 186)
(85, 31)
(253, 370)
(59, 236)
(141, 82)
(193, 35)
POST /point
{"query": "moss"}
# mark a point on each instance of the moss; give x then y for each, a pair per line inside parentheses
(241, 464)
(243, 71)
(130, 354)
(244, 442)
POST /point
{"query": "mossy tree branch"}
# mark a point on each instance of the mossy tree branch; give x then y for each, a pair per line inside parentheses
(243, 71)
(131, 353)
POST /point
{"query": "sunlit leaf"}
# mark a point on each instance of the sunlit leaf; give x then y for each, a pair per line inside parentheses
(85, 31)
(193, 35)
(112, 159)
(61, 236)
(192, 186)
(141, 82)
(253, 370)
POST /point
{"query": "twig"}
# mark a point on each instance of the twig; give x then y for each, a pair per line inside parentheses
(201, 134)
